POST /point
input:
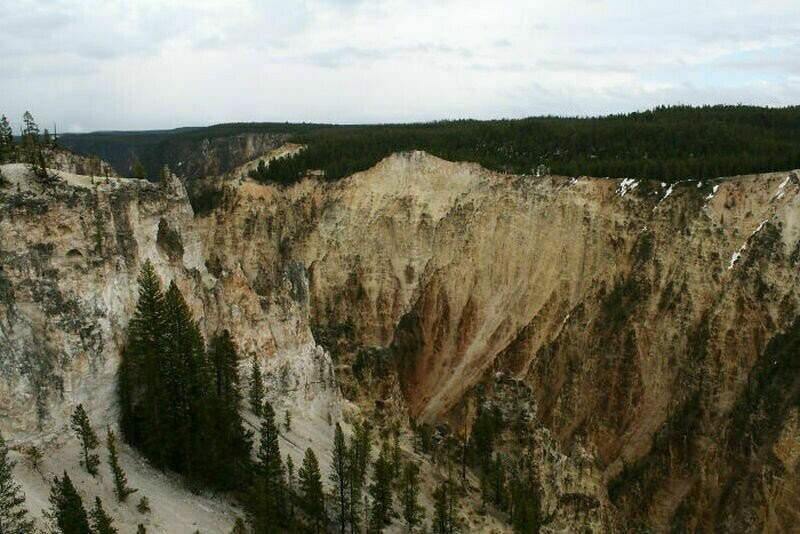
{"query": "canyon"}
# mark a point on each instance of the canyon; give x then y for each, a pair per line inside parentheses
(639, 337)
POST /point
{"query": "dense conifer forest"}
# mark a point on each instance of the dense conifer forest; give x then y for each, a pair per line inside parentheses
(667, 143)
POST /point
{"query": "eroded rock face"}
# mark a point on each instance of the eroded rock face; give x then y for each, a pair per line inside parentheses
(634, 311)
(71, 253)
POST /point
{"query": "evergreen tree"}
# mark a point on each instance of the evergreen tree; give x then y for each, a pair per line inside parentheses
(340, 478)
(121, 488)
(83, 429)
(311, 496)
(229, 439)
(396, 457)
(14, 518)
(139, 171)
(445, 501)
(409, 496)
(102, 523)
(141, 386)
(6, 141)
(67, 514)
(187, 379)
(359, 453)
(381, 490)
(30, 137)
(270, 481)
(498, 482)
(256, 388)
(525, 494)
(291, 485)
(179, 403)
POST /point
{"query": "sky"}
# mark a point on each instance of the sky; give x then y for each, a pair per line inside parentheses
(137, 64)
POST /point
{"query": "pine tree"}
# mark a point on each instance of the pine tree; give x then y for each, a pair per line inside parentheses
(270, 480)
(340, 478)
(6, 141)
(102, 523)
(256, 388)
(396, 457)
(139, 171)
(230, 441)
(30, 137)
(187, 379)
(141, 386)
(291, 485)
(359, 453)
(287, 420)
(445, 501)
(311, 496)
(381, 490)
(498, 482)
(67, 514)
(14, 518)
(83, 429)
(121, 488)
(409, 496)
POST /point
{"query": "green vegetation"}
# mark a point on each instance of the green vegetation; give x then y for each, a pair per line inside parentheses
(101, 521)
(177, 400)
(668, 143)
(312, 498)
(121, 488)
(67, 514)
(88, 438)
(14, 518)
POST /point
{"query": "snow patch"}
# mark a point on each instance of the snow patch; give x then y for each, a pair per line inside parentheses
(626, 185)
(713, 192)
(738, 254)
(781, 189)
(666, 194)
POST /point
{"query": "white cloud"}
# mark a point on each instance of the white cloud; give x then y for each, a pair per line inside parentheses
(151, 64)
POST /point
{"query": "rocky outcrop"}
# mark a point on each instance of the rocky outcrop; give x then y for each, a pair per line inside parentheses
(636, 312)
(640, 336)
(71, 251)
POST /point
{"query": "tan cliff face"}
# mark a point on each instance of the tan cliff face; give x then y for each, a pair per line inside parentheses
(635, 311)
(70, 254)
(643, 334)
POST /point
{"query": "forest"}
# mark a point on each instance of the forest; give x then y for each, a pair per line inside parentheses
(667, 143)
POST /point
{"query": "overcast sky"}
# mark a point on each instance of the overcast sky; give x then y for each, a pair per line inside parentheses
(103, 64)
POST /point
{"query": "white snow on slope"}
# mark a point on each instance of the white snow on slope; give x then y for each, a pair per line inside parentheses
(626, 185)
(713, 192)
(738, 254)
(781, 189)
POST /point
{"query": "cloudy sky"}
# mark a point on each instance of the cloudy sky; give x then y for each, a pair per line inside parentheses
(105, 64)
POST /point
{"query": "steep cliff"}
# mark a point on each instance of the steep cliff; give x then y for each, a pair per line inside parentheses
(639, 315)
(639, 339)
(71, 251)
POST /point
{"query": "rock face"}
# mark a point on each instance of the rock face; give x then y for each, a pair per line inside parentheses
(644, 336)
(69, 258)
(188, 155)
(641, 316)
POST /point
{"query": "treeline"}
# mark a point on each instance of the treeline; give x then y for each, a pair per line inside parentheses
(31, 147)
(667, 143)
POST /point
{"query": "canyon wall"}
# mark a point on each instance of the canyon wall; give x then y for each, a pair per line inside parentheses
(639, 314)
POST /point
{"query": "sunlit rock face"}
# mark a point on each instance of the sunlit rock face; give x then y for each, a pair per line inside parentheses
(636, 312)
(638, 331)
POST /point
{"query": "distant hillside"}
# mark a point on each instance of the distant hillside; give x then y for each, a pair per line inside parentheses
(667, 143)
(191, 152)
